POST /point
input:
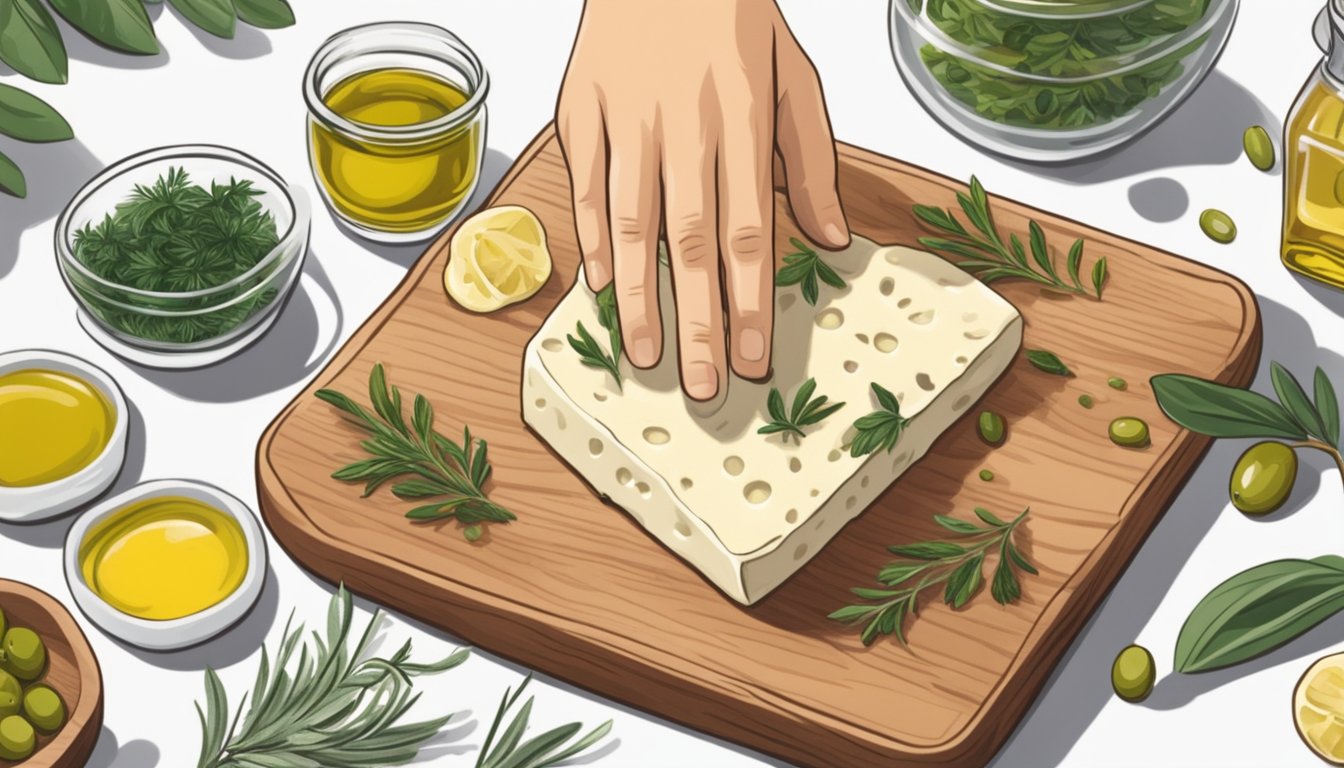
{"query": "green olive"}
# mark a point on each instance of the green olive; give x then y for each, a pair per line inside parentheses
(9, 705)
(991, 427)
(17, 738)
(986, 475)
(1259, 147)
(43, 708)
(10, 685)
(23, 654)
(1218, 226)
(1129, 432)
(1085, 401)
(1133, 673)
(1263, 478)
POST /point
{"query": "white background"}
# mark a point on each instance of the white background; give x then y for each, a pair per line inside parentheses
(204, 424)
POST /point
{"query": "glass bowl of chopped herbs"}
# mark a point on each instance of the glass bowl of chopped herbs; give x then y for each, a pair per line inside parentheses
(182, 256)
(1055, 80)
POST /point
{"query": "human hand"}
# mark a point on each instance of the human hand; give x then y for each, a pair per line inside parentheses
(671, 111)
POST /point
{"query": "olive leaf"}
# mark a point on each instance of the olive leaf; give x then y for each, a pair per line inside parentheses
(1327, 407)
(119, 24)
(1295, 400)
(25, 117)
(218, 17)
(1218, 410)
(267, 14)
(1048, 362)
(11, 178)
(1259, 610)
(30, 42)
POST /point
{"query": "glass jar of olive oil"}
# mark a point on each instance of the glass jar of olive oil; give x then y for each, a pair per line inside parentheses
(396, 115)
(1313, 230)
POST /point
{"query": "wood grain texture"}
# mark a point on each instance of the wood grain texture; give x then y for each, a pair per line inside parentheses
(576, 589)
(72, 671)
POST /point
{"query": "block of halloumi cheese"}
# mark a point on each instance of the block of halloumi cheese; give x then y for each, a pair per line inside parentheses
(748, 510)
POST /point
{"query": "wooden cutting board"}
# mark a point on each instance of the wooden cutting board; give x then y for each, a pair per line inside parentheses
(576, 589)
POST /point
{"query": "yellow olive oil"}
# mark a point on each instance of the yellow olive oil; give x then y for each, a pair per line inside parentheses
(52, 425)
(1313, 228)
(164, 558)
(396, 185)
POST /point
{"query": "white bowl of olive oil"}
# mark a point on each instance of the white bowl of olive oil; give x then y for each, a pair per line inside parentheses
(166, 565)
(64, 436)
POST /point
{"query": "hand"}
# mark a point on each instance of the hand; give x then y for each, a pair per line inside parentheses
(671, 110)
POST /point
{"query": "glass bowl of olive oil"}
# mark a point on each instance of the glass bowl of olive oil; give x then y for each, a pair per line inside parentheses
(182, 256)
(396, 128)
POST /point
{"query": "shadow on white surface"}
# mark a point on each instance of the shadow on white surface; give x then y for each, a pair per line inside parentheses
(54, 173)
(248, 42)
(109, 753)
(493, 167)
(1160, 199)
(295, 347)
(232, 646)
(51, 534)
(1205, 130)
(1080, 686)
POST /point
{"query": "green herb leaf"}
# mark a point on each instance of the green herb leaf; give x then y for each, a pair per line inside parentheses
(985, 254)
(1327, 406)
(30, 41)
(334, 706)
(25, 117)
(267, 14)
(592, 355)
(11, 178)
(119, 24)
(543, 751)
(806, 267)
(1217, 410)
(1048, 362)
(218, 17)
(806, 411)
(881, 429)
(956, 567)
(437, 467)
(609, 317)
(1257, 611)
(1294, 399)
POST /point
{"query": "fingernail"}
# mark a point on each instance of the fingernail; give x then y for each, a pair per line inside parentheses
(836, 235)
(643, 355)
(702, 381)
(751, 345)
(598, 276)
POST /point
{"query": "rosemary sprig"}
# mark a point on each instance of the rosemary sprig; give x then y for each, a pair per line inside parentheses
(806, 267)
(957, 567)
(593, 355)
(986, 255)
(806, 411)
(454, 475)
(881, 429)
(541, 751)
(609, 317)
(334, 708)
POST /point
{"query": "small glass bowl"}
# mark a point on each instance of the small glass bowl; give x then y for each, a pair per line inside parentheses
(1080, 108)
(396, 183)
(185, 329)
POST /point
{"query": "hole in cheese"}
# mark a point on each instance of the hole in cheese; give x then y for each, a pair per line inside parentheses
(886, 286)
(682, 528)
(850, 502)
(734, 465)
(757, 492)
(969, 317)
(791, 516)
(552, 345)
(863, 483)
(541, 403)
(600, 397)
(885, 342)
(851, 366)
(923, 317)
(800, 552)
(862, 337)
(644, 489)
(925, 383)
(560, 420)
(656, 436)
(978, 333)
(623, 476)
(831, 318)
(961, 403)
(595, 447)
(814, 493)
(961, 360)
(795, 465)
(903, 303)
(834, 455)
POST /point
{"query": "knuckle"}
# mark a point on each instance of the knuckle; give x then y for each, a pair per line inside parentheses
(749, 244)
(696, 248)
(696, 338)
(628, 229)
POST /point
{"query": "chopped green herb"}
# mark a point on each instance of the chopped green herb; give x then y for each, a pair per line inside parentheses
(881, 429)
(806, 267)
(1115, 382)
(1048, 361)
(592, 355)
(806, 411)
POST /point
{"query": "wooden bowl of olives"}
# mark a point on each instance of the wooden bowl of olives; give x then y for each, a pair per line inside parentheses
(51, 689)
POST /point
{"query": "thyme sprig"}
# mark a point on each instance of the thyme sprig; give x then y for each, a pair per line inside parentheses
(955, 566)
(806, 267)
(989, 257)
(806, 411)
(593, 355)
(452, 474)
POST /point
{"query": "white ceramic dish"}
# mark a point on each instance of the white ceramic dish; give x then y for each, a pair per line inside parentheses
(34, 503)
(189, 630)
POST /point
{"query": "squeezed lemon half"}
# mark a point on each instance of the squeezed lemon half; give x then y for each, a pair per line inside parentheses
(1318, 708)
(498, 257)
